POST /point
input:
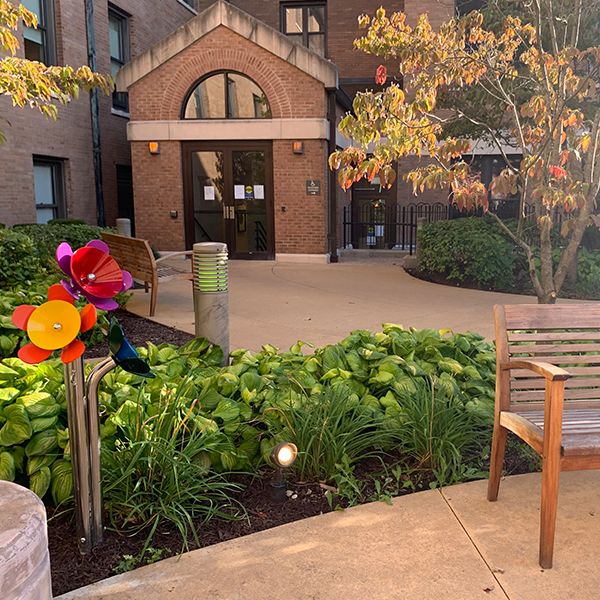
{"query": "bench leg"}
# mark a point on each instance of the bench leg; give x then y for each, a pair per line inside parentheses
(496, 459)
(146, 287)
(550, 481)
(153, 294)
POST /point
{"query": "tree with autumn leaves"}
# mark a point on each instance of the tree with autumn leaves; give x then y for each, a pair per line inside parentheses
(34, 84)
(544, 85)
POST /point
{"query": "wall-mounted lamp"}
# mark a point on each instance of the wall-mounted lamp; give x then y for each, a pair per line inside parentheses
(298, 147)
(283, 457)
(154, 147)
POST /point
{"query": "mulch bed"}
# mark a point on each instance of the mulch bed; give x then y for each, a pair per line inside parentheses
(138, 331)
(71, 570)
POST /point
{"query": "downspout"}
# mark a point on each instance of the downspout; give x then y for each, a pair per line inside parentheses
(332, 187)
(95, 114)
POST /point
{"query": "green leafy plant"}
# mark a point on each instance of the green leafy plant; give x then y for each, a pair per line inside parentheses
(159, 472)
(46, 238)
(149, 557)
(333, 430)
(470, 250)
(440, 433)
(19, 264)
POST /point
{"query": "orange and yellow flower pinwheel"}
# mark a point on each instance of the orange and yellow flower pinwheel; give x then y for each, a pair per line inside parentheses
(54, 325)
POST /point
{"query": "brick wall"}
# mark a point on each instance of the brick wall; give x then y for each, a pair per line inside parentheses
(302, 228)
(158, 186)
(70, 138)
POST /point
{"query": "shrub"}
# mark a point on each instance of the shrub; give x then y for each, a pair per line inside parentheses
(470, 250)
(588, 275)
(19, 264)
(46, 238)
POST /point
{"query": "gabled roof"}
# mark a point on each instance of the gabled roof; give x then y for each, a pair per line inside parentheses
(240, 22)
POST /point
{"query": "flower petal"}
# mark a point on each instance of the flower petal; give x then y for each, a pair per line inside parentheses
(89, 317)
(101, 303)
(32, 355)
(71, 288)
(72, 351)
(127, 281)
(58, 292)
(103, 246)
(63, 257)
(21, 315)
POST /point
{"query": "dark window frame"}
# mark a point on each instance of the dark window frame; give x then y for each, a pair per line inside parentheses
(227, 117)
(305, 5)
(57, 166)
(47, 27)
(120, 100)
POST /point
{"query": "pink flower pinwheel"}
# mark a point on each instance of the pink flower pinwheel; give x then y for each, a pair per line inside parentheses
(93, 274)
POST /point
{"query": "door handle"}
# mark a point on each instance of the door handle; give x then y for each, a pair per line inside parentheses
(228, 212)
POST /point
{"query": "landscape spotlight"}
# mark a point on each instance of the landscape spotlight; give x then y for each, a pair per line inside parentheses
(283, 457)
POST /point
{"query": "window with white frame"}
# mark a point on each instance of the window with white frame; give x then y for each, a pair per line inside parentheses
(38, 42)
(48, 185)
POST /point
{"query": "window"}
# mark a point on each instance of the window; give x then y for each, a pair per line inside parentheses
(39, 43)
(464, 7)
(227, 95)
(305, 24)
(118, 33)
(48, 185)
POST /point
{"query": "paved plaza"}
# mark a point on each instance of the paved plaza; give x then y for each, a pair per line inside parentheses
(278, 303)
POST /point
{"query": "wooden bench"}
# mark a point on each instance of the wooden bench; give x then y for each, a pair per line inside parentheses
(548, 393)
(136, 256)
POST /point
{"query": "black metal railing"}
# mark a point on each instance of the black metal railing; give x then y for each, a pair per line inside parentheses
(380, 227)
(260, 237)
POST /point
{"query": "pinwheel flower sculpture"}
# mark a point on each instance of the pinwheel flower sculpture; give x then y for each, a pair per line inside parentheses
(54, 325)
(93, 274)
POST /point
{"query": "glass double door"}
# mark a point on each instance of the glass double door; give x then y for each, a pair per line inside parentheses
(229, 196)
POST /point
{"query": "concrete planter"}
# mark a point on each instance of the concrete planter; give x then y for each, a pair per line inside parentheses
(24, 559)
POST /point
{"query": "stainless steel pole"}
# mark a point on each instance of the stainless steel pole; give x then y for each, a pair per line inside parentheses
(91, 394)
(78, 441)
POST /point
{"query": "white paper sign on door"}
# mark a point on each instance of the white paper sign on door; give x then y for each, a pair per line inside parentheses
(259, 192)
(238, 192)
(209, 192)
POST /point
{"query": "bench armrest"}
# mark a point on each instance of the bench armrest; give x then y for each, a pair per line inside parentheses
(550, 372)
(172, 254)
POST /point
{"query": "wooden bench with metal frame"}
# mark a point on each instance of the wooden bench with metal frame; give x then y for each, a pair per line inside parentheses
(548, 393)
(136, 256)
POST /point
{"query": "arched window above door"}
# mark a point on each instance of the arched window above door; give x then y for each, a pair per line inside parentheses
(226, 95)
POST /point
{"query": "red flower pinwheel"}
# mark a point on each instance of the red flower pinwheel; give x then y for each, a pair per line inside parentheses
(53, 325)
(93, 274)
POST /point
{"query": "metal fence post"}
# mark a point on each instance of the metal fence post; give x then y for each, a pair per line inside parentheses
(420, 222)
(211, 294)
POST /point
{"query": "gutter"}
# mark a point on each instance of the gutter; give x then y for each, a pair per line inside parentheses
(332, 183)
(95, 114)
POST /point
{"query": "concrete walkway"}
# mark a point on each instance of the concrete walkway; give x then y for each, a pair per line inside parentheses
(279, 303)
(438, 545)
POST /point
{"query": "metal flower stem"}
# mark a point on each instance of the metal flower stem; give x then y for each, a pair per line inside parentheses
(82, 407)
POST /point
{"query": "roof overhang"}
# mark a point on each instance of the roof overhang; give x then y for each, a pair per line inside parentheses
(222, 13)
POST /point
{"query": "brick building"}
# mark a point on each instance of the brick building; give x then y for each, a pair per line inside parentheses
(47, 168)
(233, 117)
(230, 112)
